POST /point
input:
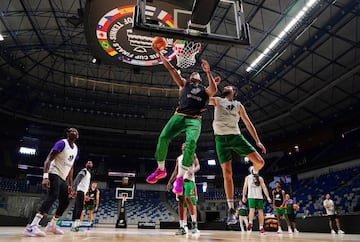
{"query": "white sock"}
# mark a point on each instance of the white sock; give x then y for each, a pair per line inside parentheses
(37, 219)
(193, 218)
(230, 203)
(54, 221)
(181, 223)
(161, 165)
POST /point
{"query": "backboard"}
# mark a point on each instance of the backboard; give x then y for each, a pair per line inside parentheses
(124, 183)
(210, 21)
(120, 191)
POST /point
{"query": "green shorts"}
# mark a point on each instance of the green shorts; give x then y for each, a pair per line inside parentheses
(189, 191)
(89, 207)
(280, 211)
(226, 144)
(256, 203)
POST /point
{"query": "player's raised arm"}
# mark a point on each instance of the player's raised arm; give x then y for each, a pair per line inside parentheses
(212, 88)
(179, 80)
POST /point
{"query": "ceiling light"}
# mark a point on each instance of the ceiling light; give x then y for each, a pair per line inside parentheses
(1, 37)
(289, 27)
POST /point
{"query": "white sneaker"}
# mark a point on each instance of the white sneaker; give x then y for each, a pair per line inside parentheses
(279, 231)
(296, 231)
(333, 231)
(54, 229)
(290, 231)
(341, 232)
(33, 231)
(186, 229)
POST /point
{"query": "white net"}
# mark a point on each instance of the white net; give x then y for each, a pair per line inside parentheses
(185, 52)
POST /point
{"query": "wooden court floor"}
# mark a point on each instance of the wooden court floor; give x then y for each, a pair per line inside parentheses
(100, 234)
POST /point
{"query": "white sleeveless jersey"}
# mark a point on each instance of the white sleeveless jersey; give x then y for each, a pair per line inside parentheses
(226, 117)
(85, 182)
(253, 190)
(188, 175)
(331, 209)
(63, 162)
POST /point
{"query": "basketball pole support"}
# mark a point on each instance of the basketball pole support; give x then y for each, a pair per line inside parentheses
(121, 222)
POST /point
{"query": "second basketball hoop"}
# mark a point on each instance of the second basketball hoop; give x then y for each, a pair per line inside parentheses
(185, 52)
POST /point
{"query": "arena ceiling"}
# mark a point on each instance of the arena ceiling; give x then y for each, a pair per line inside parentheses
(306, 91)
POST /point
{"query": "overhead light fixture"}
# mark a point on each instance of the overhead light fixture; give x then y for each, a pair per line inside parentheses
(93, 60)
(1, 37)
(211, 162)
(289, 27)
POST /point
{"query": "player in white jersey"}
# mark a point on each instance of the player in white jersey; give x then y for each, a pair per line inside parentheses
(57, 178)
(254, 197)
(332, 214)
(189, 197)
(228, 139)
(81, 186)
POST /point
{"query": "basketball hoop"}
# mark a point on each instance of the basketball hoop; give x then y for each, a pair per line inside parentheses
(185, 52)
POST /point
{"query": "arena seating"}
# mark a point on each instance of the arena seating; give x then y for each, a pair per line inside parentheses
(156, 206)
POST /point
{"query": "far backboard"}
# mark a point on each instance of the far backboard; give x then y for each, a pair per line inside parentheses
(124, 183)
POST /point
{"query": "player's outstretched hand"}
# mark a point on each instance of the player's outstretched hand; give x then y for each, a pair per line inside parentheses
(205, 66)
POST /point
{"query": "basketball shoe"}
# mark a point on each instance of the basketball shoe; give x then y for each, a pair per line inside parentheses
(75, 229)
(194, 228)
(249, 227)
(178, 186)
(262, 231)
(181, 231)
(33, 231)
(231, 218)
(55, 229)
(341, 232)
(156, 175)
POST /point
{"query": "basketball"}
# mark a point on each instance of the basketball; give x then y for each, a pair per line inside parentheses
(295, 206)
(159, 43)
